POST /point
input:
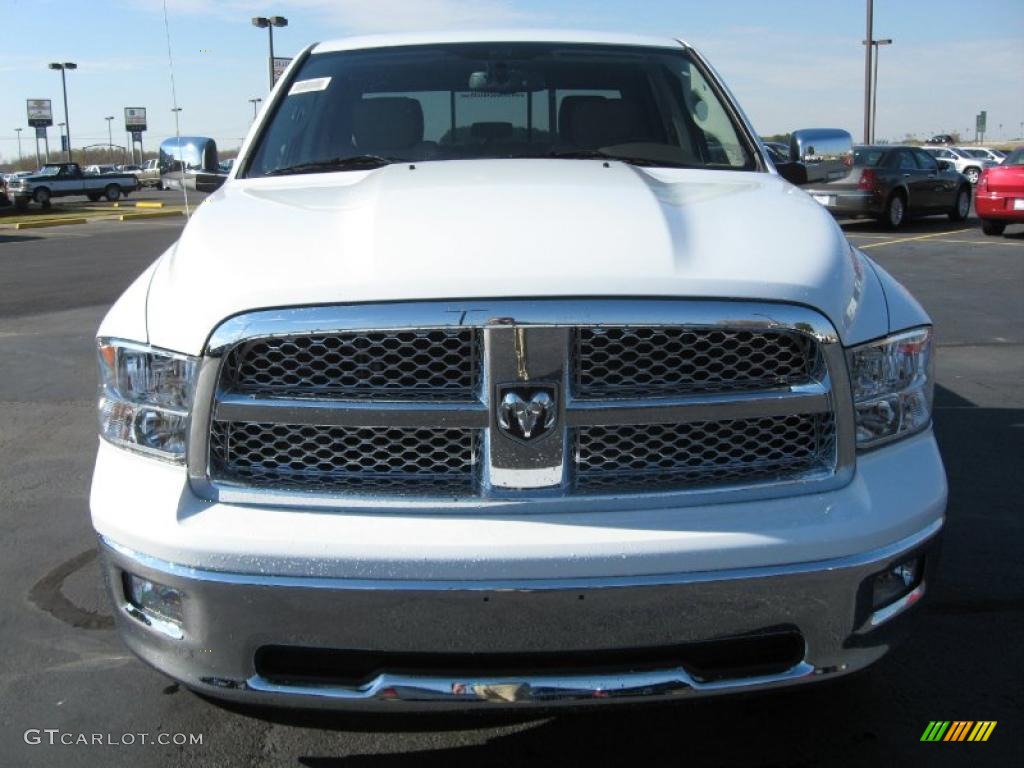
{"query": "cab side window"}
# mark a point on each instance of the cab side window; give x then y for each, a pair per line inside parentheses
(926, 161)
(907, 161)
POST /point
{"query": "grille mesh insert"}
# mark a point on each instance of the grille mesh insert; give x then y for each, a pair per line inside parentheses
(655, 361)
(679, 456)
(372, 459)
(436, 364)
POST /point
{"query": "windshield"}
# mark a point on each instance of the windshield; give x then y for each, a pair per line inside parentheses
(49, 170)
(652, 106)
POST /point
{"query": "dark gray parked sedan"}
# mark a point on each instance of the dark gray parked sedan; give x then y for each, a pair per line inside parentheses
(893, 184)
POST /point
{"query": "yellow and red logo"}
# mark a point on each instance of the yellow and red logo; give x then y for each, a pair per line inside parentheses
(958, 730)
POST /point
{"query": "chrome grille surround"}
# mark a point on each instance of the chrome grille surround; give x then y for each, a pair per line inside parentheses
(536, 341)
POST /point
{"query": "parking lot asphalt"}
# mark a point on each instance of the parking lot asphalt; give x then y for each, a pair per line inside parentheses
(64, 668)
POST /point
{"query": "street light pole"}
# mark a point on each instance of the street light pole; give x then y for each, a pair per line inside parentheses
(868, 50)
(110, 137)
(18, 131)
(64, 85)
(254, 102)
(270, 22)
(874, 87)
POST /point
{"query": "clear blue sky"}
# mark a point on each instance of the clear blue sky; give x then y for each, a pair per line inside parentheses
(791, 64)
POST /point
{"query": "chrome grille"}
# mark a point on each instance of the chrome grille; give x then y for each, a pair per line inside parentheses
(680, 456)
(430, 364)
(335, 406)
(342, 458)
(664, 361)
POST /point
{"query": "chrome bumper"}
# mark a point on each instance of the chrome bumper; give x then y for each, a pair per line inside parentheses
(228, 617)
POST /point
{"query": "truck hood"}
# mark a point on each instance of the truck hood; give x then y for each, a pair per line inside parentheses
(478, 229)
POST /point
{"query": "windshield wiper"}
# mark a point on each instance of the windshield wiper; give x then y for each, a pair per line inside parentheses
(351, 162)
(600, 154)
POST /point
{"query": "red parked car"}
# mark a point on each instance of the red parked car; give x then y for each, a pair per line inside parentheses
(999, 196)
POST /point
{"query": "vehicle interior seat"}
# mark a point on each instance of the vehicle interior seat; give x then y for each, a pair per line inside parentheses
(605, 123)
(391, 126)
(567, 115)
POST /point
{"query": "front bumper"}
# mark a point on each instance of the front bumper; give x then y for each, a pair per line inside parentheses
(228, 618)
(433, 593)
(849, 203)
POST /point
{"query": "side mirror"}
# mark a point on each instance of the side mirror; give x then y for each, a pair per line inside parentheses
(818, 155)
(945, 165)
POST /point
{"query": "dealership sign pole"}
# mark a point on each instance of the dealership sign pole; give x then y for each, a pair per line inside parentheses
(40, 116)
(135, 124)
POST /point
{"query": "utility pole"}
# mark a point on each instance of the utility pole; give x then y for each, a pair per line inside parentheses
(18, 131)
(868, 49)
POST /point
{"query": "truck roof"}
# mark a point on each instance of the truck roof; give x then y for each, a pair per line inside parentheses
(392, 40)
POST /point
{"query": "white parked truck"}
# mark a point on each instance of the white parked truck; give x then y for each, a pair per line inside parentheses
(507, 369)
(63, 179)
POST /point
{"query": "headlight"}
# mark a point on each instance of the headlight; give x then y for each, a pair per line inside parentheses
(892, 386)
(145, 398)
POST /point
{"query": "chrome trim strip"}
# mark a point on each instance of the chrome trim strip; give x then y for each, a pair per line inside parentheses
(680, 410)
(351, 413)
(533, 689)
(525, 356)
(551, 312)
(164, 627)
(883, 615)
(882, 555)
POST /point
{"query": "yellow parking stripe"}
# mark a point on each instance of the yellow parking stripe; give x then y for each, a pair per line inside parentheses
(1011, 243)
(910, 239)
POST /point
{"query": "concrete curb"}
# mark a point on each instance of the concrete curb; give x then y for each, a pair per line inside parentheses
(51, 223)
(147, 215)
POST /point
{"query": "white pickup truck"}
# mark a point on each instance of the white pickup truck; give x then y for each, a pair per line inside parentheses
(507, 369)
(64, 179)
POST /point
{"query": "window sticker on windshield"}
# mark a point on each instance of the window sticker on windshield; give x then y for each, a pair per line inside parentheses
(310, 86)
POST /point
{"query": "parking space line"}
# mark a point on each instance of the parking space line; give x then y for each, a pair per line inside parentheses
(910, 239)
(984, 242)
